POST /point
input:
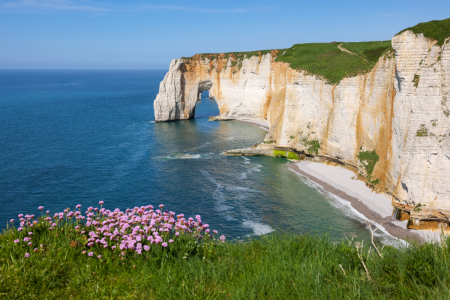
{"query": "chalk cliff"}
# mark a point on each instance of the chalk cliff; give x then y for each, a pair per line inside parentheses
(391, 125)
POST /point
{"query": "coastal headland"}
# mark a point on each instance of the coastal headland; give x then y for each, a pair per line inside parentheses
(379, 109)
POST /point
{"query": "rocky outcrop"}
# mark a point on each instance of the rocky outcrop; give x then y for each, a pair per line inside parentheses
(391, 124)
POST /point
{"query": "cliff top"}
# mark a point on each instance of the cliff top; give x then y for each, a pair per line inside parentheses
(436, 30)
(328, 60)
(331, 61)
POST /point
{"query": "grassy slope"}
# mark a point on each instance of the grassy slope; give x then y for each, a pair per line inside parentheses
(273, 267)
(322, 59)
(436, 30)
(369, 50)
(327, 61)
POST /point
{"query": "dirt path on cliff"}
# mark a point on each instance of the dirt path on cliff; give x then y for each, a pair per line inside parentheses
(350, 52)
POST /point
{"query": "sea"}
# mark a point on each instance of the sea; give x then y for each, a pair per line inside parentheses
(73, 137)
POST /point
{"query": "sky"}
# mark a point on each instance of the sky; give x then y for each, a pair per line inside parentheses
(144, 34)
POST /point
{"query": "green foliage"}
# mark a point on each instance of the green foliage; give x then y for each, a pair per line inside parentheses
(372, 51)
(279, 153)
(369, 159)
(313, 146)
(436, 30)
(416, 80)
(418, 207)
(423, 131)
(276, 266)
(286, 154)
(324, 60)
(269, 142)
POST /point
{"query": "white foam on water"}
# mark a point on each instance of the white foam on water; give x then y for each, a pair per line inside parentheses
(263, 128)
(258, 228)
(242, 176)
(233, 188)
(184, 156)
(247, 160)
(207, 143)
(346, 207)
(151, 121)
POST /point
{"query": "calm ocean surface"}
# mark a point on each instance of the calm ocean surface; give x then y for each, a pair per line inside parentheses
(78, 137)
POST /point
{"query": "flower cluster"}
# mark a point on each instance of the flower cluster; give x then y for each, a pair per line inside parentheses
(136, 230)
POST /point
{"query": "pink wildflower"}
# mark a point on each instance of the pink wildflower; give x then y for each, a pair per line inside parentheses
(146, 247)
(40, 208)
(84, 252)
(12, 220)
(27, 254)
(177, 233)
(19, 229)
(170, 241)
(215, 232)
(91, 253)
(164, 244)
(30, 233)
(78, 206)
(101, 202)
(20, 215)
(16, 241)
(222, 238)
(30, 243)
(99, 256)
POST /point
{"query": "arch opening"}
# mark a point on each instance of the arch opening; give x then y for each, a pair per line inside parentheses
(208, 106)
(204, 86)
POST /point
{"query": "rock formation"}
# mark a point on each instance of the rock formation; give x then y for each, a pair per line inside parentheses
(390, 125)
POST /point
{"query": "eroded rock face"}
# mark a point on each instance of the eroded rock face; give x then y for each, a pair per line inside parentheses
(396, 117)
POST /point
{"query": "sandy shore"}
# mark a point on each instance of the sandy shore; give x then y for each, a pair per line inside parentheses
(375, 207)
(262, 124)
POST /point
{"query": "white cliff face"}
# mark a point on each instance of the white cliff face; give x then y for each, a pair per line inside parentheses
(381, 111)
(422, 125)
(239, 92)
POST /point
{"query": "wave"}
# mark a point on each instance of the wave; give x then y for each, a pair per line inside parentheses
(181, 155)
(247, 160)
(258, 228)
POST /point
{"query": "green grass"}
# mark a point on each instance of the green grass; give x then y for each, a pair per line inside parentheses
(324, 60)
(277, 266)
(372, 51)
(436, 30)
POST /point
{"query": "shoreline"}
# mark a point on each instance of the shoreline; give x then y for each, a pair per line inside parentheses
(261, 124)
(375, 207)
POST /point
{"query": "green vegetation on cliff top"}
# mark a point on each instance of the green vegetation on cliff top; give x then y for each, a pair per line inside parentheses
(436, 30)
(326, 60)
(322, 59)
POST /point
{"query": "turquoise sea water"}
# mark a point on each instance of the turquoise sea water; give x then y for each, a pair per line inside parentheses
(78, 137)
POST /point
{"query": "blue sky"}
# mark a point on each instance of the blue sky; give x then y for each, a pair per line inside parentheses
(64, 34)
